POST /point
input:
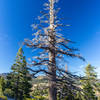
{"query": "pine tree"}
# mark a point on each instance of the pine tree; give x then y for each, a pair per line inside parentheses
(90, 72)
(19, 79)
(1, 90)
(2, 85)
(88, 84)
(52, 47)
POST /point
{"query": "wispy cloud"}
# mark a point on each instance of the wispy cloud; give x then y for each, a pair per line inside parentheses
(80, 69)
(98, 71)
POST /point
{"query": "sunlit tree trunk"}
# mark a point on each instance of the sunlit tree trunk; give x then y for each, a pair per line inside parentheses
(52, 56)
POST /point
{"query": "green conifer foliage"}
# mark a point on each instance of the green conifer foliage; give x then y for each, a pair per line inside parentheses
(19, 79)
(88, 83)
(1, 91)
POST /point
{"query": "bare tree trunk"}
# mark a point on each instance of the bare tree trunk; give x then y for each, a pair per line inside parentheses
(16, 93)
(52, 77)
(52, 56)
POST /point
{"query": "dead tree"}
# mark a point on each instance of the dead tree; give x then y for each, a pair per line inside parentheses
(52, 46)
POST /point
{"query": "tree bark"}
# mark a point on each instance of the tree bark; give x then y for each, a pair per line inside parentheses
(52, 77)
(17, 88)
(52, 56)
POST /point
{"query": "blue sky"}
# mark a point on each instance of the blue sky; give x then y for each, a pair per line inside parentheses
(16, 17)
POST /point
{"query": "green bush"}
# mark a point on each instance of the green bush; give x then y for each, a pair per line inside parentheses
(29, 99)
(3, 98)
(99, 98)
(36, 98)
(8, 92)
(39, 98)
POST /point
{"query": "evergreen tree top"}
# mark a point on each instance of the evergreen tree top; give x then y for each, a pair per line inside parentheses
(20, 51)
(90, 71)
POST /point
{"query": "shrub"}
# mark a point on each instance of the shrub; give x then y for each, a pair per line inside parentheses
(36, 98)
(99, 98)
(8, 92)
(3, 98)
(29, 99)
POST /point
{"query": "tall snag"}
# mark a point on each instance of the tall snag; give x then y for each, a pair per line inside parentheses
(52, 46)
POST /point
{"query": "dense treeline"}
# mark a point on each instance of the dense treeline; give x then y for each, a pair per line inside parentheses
(20, 85)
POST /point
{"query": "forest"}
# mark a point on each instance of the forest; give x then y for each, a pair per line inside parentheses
(45, 76)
